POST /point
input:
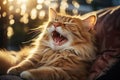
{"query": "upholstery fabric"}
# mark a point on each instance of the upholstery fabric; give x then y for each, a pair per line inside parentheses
(108, 42)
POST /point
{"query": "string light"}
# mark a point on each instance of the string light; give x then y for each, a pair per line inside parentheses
(25, 11)
(17, 10)
(12, 21)
(10, 32)
(40, 1)
(36, 10)
(89, 1)
(41, 14)
(33, 14)
(11, 7)
(39, 6)
(4, 2)
(10, 0)
(63, 6)
(22, 1)
(24, 19)
(11, 16)
(76, 4)
(4, 14)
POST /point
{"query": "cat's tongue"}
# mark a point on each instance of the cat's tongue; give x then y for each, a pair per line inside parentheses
(58, 39)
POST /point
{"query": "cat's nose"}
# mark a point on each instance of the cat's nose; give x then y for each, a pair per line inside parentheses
(56, 24)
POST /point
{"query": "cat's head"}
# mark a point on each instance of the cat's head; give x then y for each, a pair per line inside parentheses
(68, 32)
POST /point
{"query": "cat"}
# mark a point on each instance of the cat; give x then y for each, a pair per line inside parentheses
(64, 50)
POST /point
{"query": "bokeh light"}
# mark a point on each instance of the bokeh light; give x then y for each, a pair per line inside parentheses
(11, 8)
(10, 0)
(17, 10)
(39, 6)
(63, 6)
(89, 1)
(25, 11)
(12, 21)
(41, 14)
(40, 1)
(24, 19)
(23, 15)
(22, 1)
(4, 14)
(76, 4)
(4, 2)
(10, 32)
(11, 16)
(33, 14)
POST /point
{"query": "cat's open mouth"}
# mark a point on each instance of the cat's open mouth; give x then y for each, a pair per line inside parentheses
(58, 38)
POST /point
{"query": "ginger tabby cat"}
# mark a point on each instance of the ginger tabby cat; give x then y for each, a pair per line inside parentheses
(64, 50)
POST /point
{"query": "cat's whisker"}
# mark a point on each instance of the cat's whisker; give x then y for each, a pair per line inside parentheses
(34, 37)
(33, 31)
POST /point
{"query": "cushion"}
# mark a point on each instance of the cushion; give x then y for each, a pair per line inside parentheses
(108, 42)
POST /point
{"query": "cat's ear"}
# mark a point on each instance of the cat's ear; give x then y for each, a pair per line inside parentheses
(89, 21)
(52, 14)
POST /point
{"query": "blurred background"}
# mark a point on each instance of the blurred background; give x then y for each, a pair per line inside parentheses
(19, 18)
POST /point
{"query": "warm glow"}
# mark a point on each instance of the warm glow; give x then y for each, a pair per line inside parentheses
(22, 1)
(4, 14)
(23, 9)
(11, 16)
(76, 4)
(39, 7)
(36, 9)
(40, 1)
(47, 2)
(33, 14)
(75, 11)
(10, 0)
(63, 6)
(0, 8)
(5, 2)
(54, 5)
(25, 19)
(12, 21)
(11, 8)
(10, 32)
(42, 14)
(17, 10)
(0, 16)
(89, 1)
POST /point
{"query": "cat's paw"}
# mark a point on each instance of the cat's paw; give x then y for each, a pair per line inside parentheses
(13, 71)
(26, 75)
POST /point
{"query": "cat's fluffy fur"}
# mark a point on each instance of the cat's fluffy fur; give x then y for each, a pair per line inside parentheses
(64, 51)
